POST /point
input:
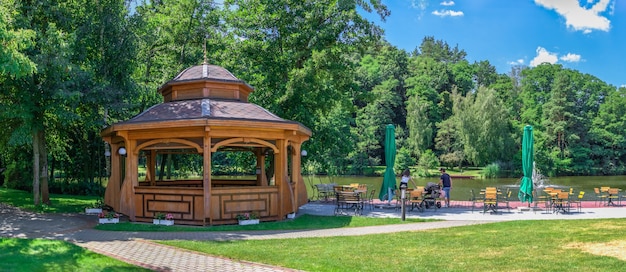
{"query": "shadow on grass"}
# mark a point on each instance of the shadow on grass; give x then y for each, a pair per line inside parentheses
(305, 221)
(51, 255)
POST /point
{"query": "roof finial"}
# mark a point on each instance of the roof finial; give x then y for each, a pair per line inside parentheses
(204, 48)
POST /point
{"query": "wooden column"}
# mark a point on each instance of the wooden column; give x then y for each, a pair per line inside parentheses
(151, 167)
(296, 175)
(112, 193)
(127, 193)
(206, 177)
(261, 180)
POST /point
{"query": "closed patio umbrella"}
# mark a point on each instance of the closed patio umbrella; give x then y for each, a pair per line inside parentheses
(526, 185)
(389, 179)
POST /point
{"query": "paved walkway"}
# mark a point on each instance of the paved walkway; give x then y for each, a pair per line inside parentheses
(137, 248)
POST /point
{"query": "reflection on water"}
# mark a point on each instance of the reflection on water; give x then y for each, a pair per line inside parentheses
(461, 187)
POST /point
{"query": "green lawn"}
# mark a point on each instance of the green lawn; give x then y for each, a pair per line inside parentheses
(542, 245)
(59, 203)
(30, 255)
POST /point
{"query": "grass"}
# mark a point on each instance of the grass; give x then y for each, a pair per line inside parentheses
(302, 222)
(542, 245)
(59, 203)
(52, 255)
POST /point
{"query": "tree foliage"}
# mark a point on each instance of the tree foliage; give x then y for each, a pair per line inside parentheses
(70, 67)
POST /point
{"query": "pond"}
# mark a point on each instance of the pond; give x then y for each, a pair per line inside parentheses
(461, 187)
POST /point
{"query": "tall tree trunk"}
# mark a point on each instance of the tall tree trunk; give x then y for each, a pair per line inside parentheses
(43, 163)
(36, 157)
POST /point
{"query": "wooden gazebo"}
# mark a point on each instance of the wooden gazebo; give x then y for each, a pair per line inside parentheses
(205, 110)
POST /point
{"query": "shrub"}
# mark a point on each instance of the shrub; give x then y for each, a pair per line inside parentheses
(491, 171)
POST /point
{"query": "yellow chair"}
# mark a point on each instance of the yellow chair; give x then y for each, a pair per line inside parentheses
(490, 202)
(579, 201)
(416, 199)
(561, 202)
(600, 196)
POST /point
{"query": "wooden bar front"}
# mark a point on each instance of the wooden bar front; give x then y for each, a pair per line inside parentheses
(186, 204)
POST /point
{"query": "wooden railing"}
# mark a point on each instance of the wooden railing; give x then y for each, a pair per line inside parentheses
(198, 183)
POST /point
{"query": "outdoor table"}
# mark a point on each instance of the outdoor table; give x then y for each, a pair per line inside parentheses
(612, 193)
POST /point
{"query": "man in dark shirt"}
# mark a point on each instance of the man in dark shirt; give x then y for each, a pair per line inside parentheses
(446, 183)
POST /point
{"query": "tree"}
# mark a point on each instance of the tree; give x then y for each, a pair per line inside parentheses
(483, 127)
(13, 61)
(298, 56)
(79, 69)
(557, 120)
(608, 134)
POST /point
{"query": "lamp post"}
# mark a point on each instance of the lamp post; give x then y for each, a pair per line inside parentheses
(402, 198)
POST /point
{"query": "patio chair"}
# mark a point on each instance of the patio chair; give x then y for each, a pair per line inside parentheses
(315, 193)
(371, 198)
(416, 200)
(544, 198)
(475, 199)
(507, 199)
(578, 201)
(562, 203)
(348, 201)
(490, 202)
(600, 196)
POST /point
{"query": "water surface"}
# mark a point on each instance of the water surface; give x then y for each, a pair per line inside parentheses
(461, 187)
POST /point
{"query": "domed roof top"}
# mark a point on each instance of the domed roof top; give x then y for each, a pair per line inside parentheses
(205, 71)
(205, 81)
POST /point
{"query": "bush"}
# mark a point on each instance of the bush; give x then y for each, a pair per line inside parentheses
(18, 175)
(491, 171)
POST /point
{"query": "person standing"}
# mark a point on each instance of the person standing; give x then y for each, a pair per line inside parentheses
(446, 183)
(406, 177)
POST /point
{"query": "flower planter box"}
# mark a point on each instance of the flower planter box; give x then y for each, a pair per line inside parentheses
(166, 222)
(93, 210)
(108, 220)
(249, 222)
(163, 222)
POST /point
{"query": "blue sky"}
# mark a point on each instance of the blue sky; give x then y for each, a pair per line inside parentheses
(585, 35)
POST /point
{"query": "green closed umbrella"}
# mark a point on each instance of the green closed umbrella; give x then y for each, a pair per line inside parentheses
(526, 185)
(389, 180)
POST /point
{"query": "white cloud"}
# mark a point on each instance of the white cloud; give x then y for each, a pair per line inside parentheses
(444, 13)
(544, 56)
(570, 57)
(447, 3)
(581, 18)
(517, 62)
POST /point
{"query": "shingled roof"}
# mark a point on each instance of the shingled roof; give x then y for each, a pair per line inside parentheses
(204, 72)
(206, 109)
